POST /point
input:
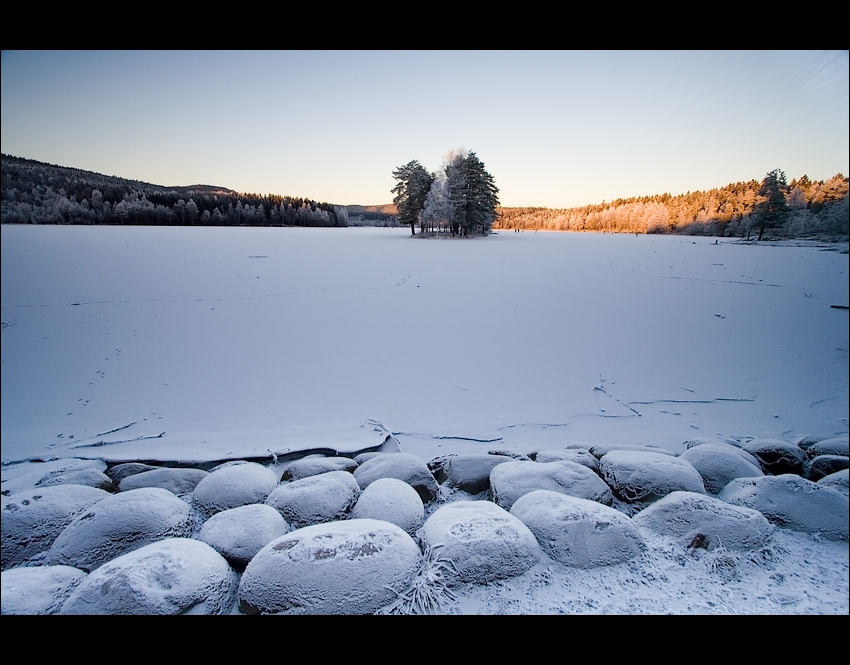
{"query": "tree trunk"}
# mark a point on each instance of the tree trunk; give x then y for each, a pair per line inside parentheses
(412, 228)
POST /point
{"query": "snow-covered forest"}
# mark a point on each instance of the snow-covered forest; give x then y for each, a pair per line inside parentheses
(38, 193)
(815, 208)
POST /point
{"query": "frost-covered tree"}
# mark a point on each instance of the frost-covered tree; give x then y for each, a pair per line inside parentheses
(437, 213)
(473, 194)
(410, 191)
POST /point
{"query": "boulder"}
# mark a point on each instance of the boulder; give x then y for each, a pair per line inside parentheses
(392, 500)
(647, 476)
(121, 471)
(480, 542)
(88, 477)
(118, 524)
(579, 456)
(777, 457)
(840, 481)
(36, 472)
(471, 472)
(239, 533)
(171, 576)
(699, 441)
(403, 466)
(509, 481)
(835, 446)
(315, 499)
(602, 449)
(793, 503)
(349, 567)
(718, 464)
(578, 532)
(233, 485)
(824, 465)
(177, 481)
(313, 466)
(37, 590)
(33, 519)
(688, 516)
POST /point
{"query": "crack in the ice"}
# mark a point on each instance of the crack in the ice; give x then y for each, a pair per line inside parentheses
(696, 401)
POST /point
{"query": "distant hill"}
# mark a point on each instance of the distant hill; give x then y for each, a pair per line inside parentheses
(39, 193)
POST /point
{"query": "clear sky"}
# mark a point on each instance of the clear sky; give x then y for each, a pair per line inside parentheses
(556, 129)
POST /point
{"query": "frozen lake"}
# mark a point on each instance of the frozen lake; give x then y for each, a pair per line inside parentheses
(205, 343)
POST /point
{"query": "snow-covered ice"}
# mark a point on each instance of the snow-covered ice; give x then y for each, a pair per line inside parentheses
(206, 344)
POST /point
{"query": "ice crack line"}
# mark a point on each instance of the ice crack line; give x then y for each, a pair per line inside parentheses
(694, 401)
(602, 390)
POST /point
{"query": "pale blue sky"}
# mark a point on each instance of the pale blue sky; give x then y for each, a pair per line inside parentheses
(556, 129)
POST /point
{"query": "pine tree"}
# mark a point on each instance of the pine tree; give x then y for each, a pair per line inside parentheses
(473, 194)
(772, 210)
(410, 191)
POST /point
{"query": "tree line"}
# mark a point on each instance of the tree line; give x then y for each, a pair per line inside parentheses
(799, 208)
(460, 199)
(38, 193)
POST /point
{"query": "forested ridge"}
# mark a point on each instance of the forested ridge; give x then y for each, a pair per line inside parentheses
(814, 208)
(38, 193)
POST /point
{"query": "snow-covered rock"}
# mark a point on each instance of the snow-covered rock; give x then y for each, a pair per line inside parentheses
(718, 464)
(233, 485)
(824, 465)
(239, 533)
(471, 472)
(578, 532)
(777, 457)
(312, 466)
(121, 471)
(577, 455)
(349, 567)
(509, 481)
(119, 524)
(403, 466)
(177, 481)
(599, 450)
(647, 476)
(840, 480)
(688, 515)
(735, 448)
(834, 446)
(33, 519)
(482, 542)
(89, 477)
(37, 590)
(793, 502)
(26, 475)
(315, 499)
(392, 500)
(171, 576)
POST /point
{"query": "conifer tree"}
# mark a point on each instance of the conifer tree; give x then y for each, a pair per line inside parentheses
(410, 191)
(772, 210)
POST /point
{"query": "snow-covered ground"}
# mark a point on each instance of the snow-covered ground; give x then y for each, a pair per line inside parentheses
(193, 344)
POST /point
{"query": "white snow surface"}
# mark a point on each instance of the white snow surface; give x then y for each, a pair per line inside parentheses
(188, 344)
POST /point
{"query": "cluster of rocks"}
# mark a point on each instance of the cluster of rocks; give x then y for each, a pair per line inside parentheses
(339, 535)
